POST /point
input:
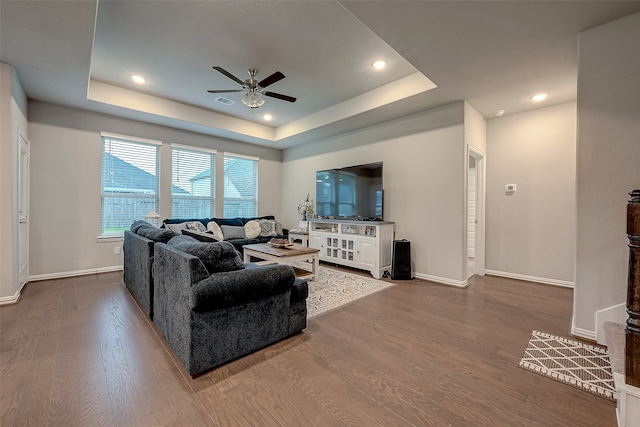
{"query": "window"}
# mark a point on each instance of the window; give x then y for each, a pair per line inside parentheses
(240, 186)
(193, 186)
(129, 181)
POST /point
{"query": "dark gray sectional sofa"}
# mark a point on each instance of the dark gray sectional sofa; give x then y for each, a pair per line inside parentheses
(211, 317)
(138, 247)
(208, 305)
(237, 242)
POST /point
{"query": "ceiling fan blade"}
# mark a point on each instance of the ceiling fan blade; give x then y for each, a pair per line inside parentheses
(228, 74)
(275, 77)
(224, 90)
(280, 96)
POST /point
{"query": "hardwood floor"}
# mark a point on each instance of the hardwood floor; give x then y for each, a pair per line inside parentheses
(79, 352)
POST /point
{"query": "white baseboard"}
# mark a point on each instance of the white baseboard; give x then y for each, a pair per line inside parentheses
(584, 333)
(443, 280)
(10, 299)
(74, 273)
(542, 280)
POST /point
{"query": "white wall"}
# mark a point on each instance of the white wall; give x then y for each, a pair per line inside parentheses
(424, 183)
(65, 184)
(531, 232)
(13, 115)
(608, 164)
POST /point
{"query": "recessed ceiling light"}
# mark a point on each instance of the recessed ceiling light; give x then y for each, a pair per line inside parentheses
(499, 113)
(267, 117)
(539, 97)
(380, 64)
(138, 79)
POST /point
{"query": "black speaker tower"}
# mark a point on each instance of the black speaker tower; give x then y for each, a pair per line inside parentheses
(401, 263)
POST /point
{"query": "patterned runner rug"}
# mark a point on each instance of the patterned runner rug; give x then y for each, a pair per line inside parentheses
(334, 289)
(579, 365)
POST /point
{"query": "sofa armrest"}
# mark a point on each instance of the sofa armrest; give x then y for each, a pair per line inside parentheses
(231, 288)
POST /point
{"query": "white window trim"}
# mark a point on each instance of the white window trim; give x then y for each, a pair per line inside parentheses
(130, 138)
(241, 156)
(194, 148)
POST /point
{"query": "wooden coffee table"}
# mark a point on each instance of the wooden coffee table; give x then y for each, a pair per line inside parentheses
(285, 256)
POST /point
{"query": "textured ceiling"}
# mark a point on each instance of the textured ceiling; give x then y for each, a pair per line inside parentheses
(495, 55)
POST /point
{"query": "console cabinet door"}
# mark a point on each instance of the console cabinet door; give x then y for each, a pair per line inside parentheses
(315, 241)
(367, 253)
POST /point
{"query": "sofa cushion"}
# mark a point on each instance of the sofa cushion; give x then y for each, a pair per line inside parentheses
(252, 229)
(228, 221)
(154, 233)
(200, 236)
(216, 256)
(231, 232)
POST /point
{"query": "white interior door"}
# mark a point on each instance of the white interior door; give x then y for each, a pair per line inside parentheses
(471, 207)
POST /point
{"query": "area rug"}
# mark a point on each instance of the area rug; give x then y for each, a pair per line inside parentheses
(577, 364)
(333, 289)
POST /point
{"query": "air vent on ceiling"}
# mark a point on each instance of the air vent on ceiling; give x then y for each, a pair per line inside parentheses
(225, 101)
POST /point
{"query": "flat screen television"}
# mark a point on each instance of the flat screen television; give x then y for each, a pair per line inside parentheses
(353, 192)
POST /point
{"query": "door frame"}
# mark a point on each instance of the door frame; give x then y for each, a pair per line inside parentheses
(479, 156)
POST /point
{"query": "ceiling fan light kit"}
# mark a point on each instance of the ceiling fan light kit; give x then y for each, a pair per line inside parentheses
(253, 89)
(252, 99)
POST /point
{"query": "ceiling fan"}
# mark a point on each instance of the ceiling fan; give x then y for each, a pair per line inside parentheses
(253, 89)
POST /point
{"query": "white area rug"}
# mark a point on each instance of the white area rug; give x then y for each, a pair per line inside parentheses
(334, 289)
(571, 362)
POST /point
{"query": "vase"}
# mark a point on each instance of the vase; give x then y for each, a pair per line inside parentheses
(303, 225)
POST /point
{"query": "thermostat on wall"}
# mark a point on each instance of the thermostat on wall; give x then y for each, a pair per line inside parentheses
(510, 188)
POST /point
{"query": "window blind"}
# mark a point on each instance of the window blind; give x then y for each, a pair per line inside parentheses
(240, 186)
(192, 183)
(129, 182)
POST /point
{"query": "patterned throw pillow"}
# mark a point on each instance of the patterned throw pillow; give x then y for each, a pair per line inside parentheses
(215, 229)
(252, 229)
(267, 227)
(195, 226)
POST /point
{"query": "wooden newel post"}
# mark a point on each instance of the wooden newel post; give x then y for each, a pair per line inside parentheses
(632, 330)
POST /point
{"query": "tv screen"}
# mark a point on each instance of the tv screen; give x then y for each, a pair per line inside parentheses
(354, 192)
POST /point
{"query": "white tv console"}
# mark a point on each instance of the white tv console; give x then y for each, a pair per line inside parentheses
(365, 245)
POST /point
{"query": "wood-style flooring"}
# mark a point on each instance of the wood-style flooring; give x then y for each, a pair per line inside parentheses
(79, 352)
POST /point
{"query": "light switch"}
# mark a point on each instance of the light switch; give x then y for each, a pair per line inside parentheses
(510, 188)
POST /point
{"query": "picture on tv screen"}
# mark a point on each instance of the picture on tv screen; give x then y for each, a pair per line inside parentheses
(354, 192)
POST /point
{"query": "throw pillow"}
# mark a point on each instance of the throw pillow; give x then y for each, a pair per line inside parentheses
(195, 226)
(233, 232)
(200, 235)
(156, 234)
(216, 257)
(214, 228)
(138, 225)
(252, 229)
(267, 227)
(177, 227)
